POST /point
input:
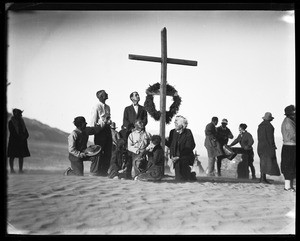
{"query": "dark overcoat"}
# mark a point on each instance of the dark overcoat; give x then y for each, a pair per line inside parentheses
(182, 146)
(211, 141)
(18, 135)
(130, 116)
(266, 149)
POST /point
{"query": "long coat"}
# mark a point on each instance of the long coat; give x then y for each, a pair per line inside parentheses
(211, 141)
(130, 116)
(266, 149)
(17, 143)
(182, 146)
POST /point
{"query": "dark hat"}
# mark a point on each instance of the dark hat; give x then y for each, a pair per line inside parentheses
(92, 150)
(243, 126)
(268, 116)
(79, 120)
(225, 121)
(289, 110)
(113, 125)
(17, 111)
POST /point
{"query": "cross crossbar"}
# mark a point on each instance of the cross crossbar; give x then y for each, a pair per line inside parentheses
(157, 59)
(164, 60)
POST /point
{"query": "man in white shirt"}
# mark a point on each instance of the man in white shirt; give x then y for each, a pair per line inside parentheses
(101, 117)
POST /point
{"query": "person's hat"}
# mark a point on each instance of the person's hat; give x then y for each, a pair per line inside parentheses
(17, 111)
(289, 110)
(268, 116)
(113, 125)
(92, 150)
(225, 121)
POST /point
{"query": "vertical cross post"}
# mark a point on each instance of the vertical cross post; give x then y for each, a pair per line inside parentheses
(163, 86)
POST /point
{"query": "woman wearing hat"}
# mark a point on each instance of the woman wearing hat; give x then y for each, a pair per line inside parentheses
(17, 143)
(288, 153)
(266, 148)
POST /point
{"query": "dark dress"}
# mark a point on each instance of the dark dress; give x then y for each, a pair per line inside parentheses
(154, 171)
(266, 149)
(182, 145)
(17, 143)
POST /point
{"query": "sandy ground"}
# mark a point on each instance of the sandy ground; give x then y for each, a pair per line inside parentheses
(41, 202)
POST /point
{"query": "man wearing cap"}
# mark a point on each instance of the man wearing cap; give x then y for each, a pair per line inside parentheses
(266, 149)
(17, 143)
(77, 146)
(223, 135)
(288, 152)
(134, 112)
(101, 118)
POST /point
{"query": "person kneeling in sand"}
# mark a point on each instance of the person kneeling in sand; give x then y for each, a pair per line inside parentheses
(78, 151)
(156, 158)
(119, 162)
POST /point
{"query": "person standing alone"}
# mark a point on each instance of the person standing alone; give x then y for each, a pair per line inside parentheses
(17, 143)
(266, 149)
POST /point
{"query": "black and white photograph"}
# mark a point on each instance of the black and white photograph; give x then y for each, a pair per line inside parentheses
(150, 121)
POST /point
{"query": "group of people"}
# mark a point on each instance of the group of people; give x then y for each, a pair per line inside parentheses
(216, 143)
(133, 153)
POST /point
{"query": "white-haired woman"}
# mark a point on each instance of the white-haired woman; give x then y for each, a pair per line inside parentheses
(181, 143)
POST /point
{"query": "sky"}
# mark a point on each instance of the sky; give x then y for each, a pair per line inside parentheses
(58, 60)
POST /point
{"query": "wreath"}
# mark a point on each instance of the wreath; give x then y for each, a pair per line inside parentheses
(150, 106)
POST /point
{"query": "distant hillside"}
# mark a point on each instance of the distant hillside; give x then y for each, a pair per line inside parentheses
(42, 132)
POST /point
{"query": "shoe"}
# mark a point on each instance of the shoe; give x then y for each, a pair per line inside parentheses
(12, 171)
(218, 174)
(67, 171)
(254, 178)
(21, 172)
(290, 189)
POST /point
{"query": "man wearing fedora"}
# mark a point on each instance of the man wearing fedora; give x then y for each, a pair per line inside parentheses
(288, 152)
(266, 149)
(223, 135)
(17, 143)
(77, 147)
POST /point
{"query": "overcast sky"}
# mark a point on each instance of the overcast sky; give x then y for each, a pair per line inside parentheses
(58, 60)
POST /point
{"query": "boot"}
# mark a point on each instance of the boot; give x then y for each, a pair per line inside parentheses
(263, 179)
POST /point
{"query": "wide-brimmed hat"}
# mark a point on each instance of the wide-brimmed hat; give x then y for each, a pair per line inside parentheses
(289, 110)
(224, 121)
(268, 116)
(92, 150)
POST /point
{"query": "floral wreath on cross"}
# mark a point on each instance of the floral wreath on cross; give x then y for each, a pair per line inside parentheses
(150, 106)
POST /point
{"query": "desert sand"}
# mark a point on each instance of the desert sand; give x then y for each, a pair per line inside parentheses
(48, 203)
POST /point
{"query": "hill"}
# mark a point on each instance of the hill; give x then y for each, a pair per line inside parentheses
(42, 132)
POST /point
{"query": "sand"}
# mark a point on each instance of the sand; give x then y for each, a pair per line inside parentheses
(48, 203)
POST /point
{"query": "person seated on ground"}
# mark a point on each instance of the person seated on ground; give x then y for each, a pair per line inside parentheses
(156, 158)
(119, 161)
(246, 141)
(137, 142)
(78, 151)
(181, 143)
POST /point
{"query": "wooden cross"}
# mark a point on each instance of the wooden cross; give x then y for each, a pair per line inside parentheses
(164, 60)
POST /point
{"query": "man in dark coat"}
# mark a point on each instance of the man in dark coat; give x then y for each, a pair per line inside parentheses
(212, 145)
(17, 143)
(266, 148)
(181, 143)
(134, 112)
